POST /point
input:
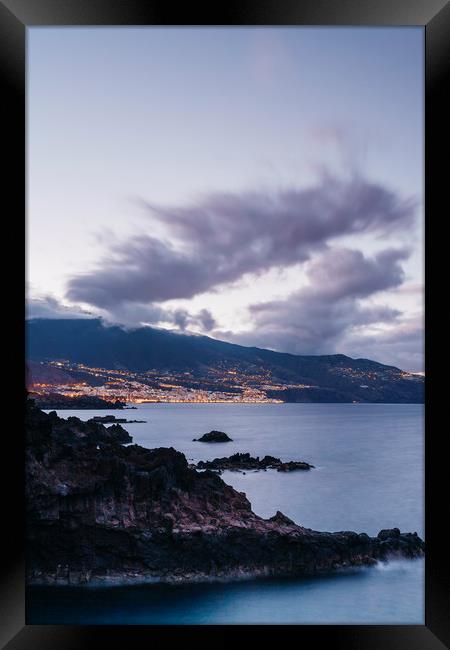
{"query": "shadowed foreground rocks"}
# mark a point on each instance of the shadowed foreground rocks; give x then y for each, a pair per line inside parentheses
(99, 512)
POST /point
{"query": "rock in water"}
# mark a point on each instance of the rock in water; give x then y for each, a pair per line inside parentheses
(239, 462)
(100, 512)
(105, 419)
(214, 436)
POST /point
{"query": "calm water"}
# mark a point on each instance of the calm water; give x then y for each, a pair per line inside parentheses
(368, 476)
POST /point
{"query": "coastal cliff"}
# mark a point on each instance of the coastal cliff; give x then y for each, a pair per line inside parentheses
(99, 512)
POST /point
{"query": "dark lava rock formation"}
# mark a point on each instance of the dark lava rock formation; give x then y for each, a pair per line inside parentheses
(58, 401)
(106, 419)
(241, 462)
(100, 512)
(214, 436)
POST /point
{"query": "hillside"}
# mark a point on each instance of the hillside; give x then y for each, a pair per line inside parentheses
(326, 378)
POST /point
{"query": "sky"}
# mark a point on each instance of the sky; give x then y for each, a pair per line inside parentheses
(262, 186)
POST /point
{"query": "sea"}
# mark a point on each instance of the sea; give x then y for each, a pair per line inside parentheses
(369, 475)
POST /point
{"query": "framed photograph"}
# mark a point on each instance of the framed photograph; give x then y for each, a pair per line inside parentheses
(227, 228)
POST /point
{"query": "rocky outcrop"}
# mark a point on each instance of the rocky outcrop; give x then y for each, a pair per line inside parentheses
(214, 436)
(58, 401)
(106, 419)
(50, 431)
(99, 512)
(240, 462)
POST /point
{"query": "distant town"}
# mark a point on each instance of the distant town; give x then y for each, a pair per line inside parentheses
(216, 385)
(60, 382)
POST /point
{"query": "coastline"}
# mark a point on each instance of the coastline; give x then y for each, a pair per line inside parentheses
(100, 509)
(242, 574)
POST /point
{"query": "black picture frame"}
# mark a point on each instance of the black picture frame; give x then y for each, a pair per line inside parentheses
(434, 16)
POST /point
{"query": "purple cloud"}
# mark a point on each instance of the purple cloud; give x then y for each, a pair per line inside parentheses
(320, 316)
(221, 237)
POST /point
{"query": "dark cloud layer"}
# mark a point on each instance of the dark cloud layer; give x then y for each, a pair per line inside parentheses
(221, 237)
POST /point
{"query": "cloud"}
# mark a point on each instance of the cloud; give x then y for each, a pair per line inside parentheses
(49, 307)
(206, 320)
(131, 315)
(128, 315)
(213, 242)
(216, 240)
(400, 345)
(333, 308)
(184, 320)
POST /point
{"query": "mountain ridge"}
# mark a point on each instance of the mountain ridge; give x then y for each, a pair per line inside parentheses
(91, 342)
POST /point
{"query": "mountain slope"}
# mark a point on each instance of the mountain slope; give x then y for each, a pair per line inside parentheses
(333, 378)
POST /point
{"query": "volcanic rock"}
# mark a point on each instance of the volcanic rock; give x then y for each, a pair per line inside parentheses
(100, 512)
(239, 462)
(105, 419)
(214, 436)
